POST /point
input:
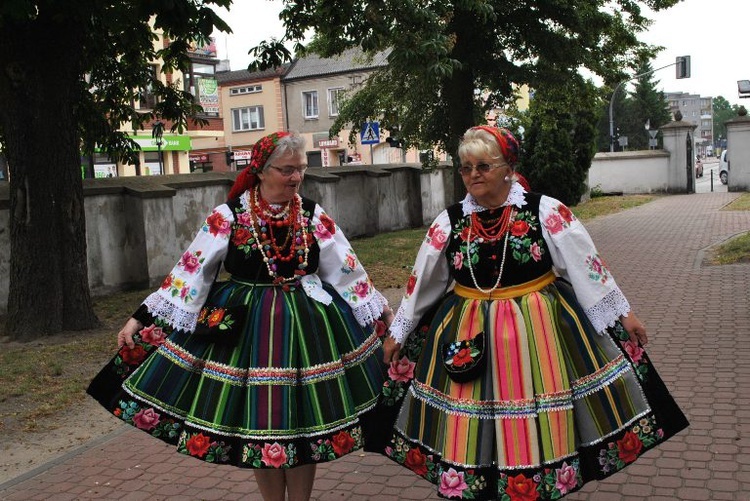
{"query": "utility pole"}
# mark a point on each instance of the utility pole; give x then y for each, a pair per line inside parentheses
(683, 71)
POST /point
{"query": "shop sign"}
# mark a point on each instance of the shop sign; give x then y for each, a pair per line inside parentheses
(200, 158)
(242, 154)
(328, 143)
(169, 142)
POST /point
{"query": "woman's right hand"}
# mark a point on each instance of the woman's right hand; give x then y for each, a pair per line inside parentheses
(390, 350)
(125, 336)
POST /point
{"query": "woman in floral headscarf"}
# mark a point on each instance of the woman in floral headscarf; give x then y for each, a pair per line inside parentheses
(274, 369)
(532, 379)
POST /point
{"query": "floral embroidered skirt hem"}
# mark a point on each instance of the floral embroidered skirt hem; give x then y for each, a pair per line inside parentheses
(293, 388)
(558, 405)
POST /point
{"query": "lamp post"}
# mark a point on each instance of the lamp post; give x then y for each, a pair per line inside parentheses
(158, 133)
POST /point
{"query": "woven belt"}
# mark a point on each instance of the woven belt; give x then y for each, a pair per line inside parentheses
(507, 292)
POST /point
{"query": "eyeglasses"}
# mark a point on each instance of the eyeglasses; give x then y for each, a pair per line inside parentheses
(289, 171)
(465, 170)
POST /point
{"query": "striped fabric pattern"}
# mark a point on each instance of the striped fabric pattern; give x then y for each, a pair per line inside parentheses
(300, 369)
(542, 396)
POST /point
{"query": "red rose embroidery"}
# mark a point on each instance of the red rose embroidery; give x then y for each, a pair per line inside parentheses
(328, 223)
(565, 213)
(241, 236)
(198, 445)
(464, 235)
(217, 224)
(629, 447)
(521, 488)
(167, 282)
(132, 356)
(411, 284)
(342, 443)
(216, 317)
(463, 357)
(519, 228)
(416, 462)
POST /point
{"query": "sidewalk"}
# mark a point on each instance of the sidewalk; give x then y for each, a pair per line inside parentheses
(699, 322)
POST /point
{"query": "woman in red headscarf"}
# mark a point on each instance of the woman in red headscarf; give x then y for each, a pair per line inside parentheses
(275, 368)
(532, 378)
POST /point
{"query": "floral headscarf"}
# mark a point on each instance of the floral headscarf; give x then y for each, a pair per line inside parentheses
(508, 143)
(262, 151)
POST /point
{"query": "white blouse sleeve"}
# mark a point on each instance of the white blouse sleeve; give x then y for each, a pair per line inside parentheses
(339, 267)
(430, 277)
(185, 289)
(575, 259)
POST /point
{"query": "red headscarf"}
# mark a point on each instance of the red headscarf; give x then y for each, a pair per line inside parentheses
(507, 141)
(261, 152)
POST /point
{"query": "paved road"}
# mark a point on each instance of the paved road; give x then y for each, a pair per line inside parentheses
(699, 319)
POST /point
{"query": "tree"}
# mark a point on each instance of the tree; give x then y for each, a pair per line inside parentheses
(561, 138)
(69, 74)
(647, 106)
(441, 52)
(723, 111)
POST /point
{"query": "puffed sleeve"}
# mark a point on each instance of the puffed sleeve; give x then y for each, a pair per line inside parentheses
(185, 289)
(429, 279)
(339, 267)
(576, 259)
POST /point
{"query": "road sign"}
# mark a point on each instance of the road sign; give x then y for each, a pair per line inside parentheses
(370, 133)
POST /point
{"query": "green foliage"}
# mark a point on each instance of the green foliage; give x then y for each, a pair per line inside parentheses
(561, 139)
(723, 111)
(441, 52)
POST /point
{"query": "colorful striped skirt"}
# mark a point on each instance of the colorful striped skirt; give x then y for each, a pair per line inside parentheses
(294, 388)
(558, 404)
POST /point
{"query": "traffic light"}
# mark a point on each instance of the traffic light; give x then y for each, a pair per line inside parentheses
(394, 142)
(230, 157)
(683, 66)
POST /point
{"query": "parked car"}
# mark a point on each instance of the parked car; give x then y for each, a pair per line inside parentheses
(698, 167)
(724, 167)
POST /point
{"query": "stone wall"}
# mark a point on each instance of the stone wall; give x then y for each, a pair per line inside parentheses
(137, 227)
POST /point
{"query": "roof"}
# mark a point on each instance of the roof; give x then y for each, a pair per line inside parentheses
(228, 77)
(350, 60)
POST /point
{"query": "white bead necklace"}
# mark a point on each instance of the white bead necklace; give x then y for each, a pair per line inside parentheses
(502, 262)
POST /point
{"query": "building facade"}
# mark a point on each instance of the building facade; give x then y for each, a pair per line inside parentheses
(697, 110)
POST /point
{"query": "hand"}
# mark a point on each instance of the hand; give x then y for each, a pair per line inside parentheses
(635, 328)
(390, 350)
(125, 336)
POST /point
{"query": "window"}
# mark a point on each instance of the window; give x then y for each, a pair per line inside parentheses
(250, 89)
(310, 104)
(250, 118)
(335, 99)
(147, 98)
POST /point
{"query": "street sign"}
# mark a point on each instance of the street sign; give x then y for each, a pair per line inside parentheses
(370, 133)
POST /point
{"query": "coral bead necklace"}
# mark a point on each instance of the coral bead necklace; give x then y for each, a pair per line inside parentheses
(490, 235)
(265, 219)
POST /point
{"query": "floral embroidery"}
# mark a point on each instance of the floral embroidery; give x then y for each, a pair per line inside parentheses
(522, 246)
(326, 228)
(518, 488)
(401, 370)
(452, 483)
(153, 335)
(558, 220)
(598, 271)
(411, 283)
(436, 237)
(178, 287)
(148, 339)
(358, 291)
(340, 444)
(350, 262)
(147, 419)
(191, 263)
(217, 225)
(637, 355)
(273, 455)
(421, 463)
(618, 453)
(216, 317)
(202, 446)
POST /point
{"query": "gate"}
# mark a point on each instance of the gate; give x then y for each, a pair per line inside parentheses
(690, 167)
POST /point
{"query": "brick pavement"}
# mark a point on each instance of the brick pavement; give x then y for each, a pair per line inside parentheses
(699, 319)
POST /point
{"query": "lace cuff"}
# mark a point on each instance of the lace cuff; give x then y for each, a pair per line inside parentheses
(178, 318)
(313, 287)
(401, 326)
(608, 310)
(372, 310)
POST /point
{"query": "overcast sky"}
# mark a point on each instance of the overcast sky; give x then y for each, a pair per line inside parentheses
(709, 31)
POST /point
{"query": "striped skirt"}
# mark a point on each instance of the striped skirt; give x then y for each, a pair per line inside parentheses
(558, 404)
(293, 389)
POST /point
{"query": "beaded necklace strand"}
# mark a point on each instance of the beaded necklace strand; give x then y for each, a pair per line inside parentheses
(508, 222)
(291, 217)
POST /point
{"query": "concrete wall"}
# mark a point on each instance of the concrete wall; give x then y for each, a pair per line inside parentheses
(137, 227)
(738, 153)
(630, 172)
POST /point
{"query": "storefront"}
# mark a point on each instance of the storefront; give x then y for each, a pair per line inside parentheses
(153, 159)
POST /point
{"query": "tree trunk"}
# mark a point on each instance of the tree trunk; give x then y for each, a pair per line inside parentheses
(39, 78)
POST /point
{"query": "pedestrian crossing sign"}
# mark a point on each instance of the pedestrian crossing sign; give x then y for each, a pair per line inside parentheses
(370, 133)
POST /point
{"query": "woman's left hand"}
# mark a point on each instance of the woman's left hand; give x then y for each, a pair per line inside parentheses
(635, 328)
